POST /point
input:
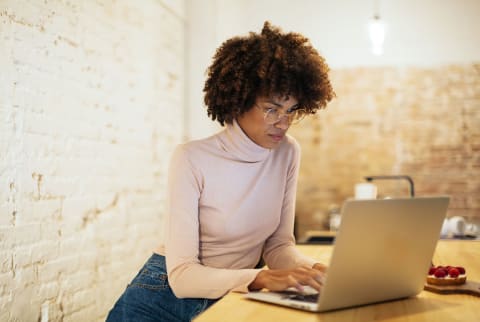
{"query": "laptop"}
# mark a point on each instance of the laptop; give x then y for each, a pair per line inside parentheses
(382, 252)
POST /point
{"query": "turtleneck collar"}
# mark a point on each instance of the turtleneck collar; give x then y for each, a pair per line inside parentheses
(239, 145)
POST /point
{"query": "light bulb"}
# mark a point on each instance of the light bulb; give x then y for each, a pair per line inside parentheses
(376, 29)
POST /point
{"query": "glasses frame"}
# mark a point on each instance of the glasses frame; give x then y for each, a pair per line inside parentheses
(292, 117)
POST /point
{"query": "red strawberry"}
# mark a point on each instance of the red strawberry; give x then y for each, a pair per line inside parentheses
(453, 272)
(440, 272)
(461, 270)
(432, 270)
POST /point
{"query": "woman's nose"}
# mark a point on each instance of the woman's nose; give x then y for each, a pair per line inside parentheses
(283, 123)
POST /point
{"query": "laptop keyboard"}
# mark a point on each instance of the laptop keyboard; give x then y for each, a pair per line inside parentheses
(313, 298)
(294, 295)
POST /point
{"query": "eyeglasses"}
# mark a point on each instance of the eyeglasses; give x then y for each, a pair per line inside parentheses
(273, 115)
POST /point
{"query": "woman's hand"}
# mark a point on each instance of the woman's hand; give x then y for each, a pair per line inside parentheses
(281, 279)
(320, 267)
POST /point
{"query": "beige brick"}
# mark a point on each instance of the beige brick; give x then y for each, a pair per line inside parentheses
(26, 234)
(51, 270)
(48, 290)
(6, 285)
(392, 121)
(83, 314)
(4, 314)
(25, 275)
(6, 261)
(22, 256)
(44, 251)
(89, 130)
(23, 298)
(80, 281)
(8, 214)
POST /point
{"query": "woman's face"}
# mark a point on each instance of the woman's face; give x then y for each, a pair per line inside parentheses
(260, 128)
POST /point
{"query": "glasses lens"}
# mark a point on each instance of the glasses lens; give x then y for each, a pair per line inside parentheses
(273, 116)
(297, 116)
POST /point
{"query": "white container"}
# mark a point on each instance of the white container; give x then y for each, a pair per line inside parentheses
(454, 226)
(365, 190)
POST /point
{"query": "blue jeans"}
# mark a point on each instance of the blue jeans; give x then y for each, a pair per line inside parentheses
(149, 298)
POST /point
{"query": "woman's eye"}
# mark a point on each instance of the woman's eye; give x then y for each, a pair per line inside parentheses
(271, 110)
(293, 110)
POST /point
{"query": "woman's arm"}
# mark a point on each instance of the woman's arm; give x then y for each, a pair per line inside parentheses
(187, 276)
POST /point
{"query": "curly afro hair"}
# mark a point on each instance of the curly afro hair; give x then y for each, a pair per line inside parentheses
(266, 64)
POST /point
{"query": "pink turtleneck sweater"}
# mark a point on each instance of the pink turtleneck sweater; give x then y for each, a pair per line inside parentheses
(229, 201)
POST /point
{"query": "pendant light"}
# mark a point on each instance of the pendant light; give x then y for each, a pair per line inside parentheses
(376, 30)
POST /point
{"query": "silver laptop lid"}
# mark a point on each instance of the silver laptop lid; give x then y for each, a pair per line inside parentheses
(383, 250)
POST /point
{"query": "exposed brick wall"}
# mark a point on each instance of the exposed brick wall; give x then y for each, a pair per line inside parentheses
(423, 122)
(91, 105)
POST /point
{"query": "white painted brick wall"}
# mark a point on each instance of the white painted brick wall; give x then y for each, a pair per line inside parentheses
(91, 106)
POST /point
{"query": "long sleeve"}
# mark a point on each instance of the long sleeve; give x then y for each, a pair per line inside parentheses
(188, 277)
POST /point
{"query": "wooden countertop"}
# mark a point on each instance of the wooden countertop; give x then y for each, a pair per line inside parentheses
(426, 306)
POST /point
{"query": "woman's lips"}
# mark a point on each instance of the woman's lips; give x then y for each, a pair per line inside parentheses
(277, 137)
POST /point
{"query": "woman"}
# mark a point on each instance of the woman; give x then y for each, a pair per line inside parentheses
(232, 195)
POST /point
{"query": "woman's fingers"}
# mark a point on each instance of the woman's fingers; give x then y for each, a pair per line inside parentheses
(313, 277)
(277, 280)
(293, 282)
(320, 267)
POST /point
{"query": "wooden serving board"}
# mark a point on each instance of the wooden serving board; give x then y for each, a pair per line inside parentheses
(470, 287)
